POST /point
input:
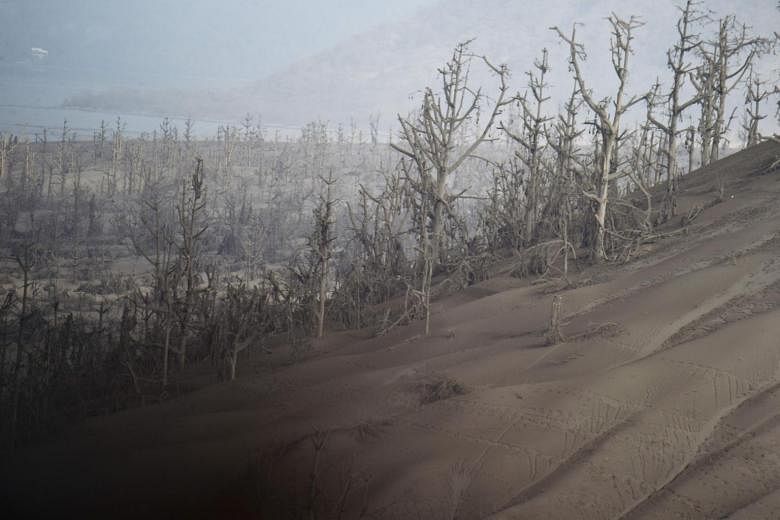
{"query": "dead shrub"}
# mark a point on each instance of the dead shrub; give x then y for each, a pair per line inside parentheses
(441, 389)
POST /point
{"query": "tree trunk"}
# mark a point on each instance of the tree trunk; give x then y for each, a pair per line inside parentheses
(321, 305)
(182, 352)
(166, 348)
(603, 199)
(233, 360)
(19, 351)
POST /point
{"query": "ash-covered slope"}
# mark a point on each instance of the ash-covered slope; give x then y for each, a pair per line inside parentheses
(661, 401)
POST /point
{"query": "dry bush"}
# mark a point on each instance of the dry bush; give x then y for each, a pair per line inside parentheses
(464, 272)
(441, 389)
(539, 259)
(413, 308)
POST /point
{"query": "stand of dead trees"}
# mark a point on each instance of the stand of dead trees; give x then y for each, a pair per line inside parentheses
(127, 260)
(433, 153)
(725, 60)
(677, 62)
(607, 119)
(532, 142)
(321, 244)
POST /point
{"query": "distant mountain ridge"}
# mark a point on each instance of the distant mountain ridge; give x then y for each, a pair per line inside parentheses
(380, 70)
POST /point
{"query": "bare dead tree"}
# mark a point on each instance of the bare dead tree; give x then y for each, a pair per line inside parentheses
(152, 233)
(99, 141)
(740, 46)
(567, 165)
(378, 267)
(77, 167)
(188, 135)
(240, 322)
(373, 123)
(756, 93)
(419, 199)
(725, 61)
(189, 211)
(642, 169)
(608, 119)
(7, 305)
(532, 139)
(504, 215)
(676, 60)
(117, 148)
(431, 144)
(703, 79)
(321, 243)
(63, 158)
(8, 143)
(169, 148)
(431, 138)
(28, 184)
(690, 145)
(25, 259)
(133, 173)
(229, 136)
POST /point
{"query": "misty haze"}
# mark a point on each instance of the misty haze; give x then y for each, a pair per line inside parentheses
(440, 259)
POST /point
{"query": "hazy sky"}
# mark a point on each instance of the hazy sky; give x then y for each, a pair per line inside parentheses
(298, 60)
(182, 40)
